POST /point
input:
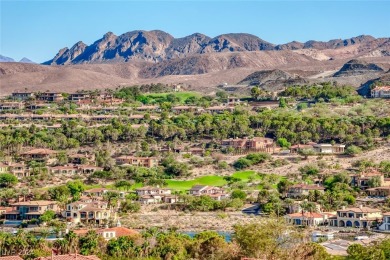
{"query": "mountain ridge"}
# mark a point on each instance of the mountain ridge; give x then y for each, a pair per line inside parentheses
(156, 46)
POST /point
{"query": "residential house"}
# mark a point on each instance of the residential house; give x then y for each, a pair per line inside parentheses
(383, 191)
(74, 256)
(95, 192)
(109, 233)
(81, 158)
(363, 179)
(385, 225)
(297, 147)
(36, 106)
(152, 195)
(96, 211)
(79, 96)
(30, 209)
(307, 218)
(66, 169)
(4, 210)
(301, 190)
(214, 192)
(219, 109)
(185, 109)
(150, 108)
(4, 106)
(255, 144)
(22, 95)
(360, 217)
(329, 148)
(50, 96)
(380, 92)
(39, 154)
(232, 101)
(148, 162)
(20, 170)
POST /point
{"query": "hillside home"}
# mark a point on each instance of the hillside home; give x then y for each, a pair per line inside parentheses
(297, 147)
(109, 233)
(22, 95)
(95, 192)
(214, 192)
(360, 217)
(185, 109)
(219, 109)
(307, 218)
(363, 179)
(81, 158)
(232, 101)
(79, 96)
(148, 162)
(255, 144)
(329, 148)
(73, 256)
(301, 190)
(30, 209)
(150, 108)
(4, 106)
(39, 154)
(152, 195)
(383, 191)
(37, 106)
(96, 212)
(50, 96)
(385, 225)
(380, 92)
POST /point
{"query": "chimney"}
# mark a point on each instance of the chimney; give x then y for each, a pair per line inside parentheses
(343, 207)
(360, 206)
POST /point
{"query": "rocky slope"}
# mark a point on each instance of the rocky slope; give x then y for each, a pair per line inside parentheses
(156, 46)
(357, 67)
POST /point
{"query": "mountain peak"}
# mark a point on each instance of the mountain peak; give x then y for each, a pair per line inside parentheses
(157, 45)
(26, 60)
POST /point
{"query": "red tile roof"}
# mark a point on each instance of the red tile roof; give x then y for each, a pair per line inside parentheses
(11, 257)
(70, 257)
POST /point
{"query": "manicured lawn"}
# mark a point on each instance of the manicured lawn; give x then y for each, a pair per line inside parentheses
(182, 95)
(205, 180)
(245, 175)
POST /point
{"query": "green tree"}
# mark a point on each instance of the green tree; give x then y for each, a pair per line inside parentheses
(47, 216)
(238, 194)
(8, 180)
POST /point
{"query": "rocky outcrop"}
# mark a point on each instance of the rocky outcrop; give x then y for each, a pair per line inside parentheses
(356, 67)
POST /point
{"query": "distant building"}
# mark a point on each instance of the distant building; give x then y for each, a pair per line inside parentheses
(50, 96)
(319, 148)
(30, 209)
(214, 192)
(82, 211)
(255, 144)
(379, 191)
(380, 92)
(68, 257)
(79, 96)
(22, 95)
(5, 106)
(148, 162)
(385, 225)
(152, 195)
(109, 233)
(300, 190)
(307, 218)
(39, 154)
(362, 180)
(360, 217)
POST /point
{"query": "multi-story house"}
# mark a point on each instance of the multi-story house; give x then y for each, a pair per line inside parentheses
(363, 179)
(148, 162)
(50, 96)
(307, 218)
(39, 154)
(151, 195)
(360, 217)
(255, 144)
(380, 92)
(385, 225)
(214, 192)
(4, 106)
(97, 212)
(301, 190)
(79, 96)
(30, 209)
(22, 95)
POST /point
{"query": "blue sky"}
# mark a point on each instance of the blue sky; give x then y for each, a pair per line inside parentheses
(38, 29)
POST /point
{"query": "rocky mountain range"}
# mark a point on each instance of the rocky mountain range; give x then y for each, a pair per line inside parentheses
(156, 46)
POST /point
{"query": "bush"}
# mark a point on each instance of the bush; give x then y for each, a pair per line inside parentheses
(353, 150)
(238, 194)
